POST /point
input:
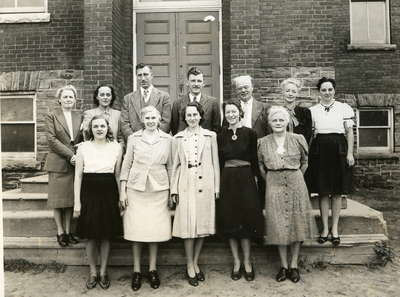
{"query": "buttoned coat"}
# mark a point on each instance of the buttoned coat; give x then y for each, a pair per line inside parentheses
(146, 163)
(114, 121)
(61, 149)
(131, 106)
(207, 183)
(211, 117)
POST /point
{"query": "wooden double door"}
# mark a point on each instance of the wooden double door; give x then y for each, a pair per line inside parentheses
(174, 42)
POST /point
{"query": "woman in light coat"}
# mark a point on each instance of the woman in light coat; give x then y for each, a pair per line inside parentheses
(194, 188)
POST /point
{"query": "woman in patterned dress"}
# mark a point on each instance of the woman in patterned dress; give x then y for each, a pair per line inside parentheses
(194, 187)
(283, 160)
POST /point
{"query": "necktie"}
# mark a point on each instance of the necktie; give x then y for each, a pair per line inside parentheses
(145, 95)
(194, 99)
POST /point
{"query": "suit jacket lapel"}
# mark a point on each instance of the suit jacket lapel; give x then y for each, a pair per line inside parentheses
(154, 98)
(61, 119)
(204, 100)
(136, 101)
(256, 109)
(76, 123)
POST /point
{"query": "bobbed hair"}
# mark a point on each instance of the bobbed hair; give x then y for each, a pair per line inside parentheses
(235, 103)
(199, 108)
(96, 93)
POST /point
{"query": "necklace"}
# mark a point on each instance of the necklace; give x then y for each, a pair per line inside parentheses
(327, 108)
(234, 136)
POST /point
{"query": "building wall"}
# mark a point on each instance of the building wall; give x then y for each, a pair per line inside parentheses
(57, 44)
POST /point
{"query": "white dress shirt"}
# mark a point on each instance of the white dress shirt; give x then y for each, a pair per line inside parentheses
(247, 109)
(68, 119)
(146, 93)
(191, 97)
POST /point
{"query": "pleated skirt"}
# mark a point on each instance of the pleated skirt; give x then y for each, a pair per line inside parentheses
(100, 216)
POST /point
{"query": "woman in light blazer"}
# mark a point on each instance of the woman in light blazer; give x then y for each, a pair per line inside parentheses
(103, 98)
(63, 133)
(145, 191)
(195, 186)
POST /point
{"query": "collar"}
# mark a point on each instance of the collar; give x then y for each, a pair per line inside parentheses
(201, 131)
(248, 103)
(150, 89)
(161, 134)
(191, 96)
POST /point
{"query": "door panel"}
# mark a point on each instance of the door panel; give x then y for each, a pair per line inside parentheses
(174, 42)
(156, 45)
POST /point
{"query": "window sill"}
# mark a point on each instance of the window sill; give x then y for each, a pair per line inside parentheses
(376, 155)
(371, 47)
(11, 18)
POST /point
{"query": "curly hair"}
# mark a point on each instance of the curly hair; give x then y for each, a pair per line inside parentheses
(96, 93)
(66, 88)
(89, 133)
(324, 80)
(235, 103)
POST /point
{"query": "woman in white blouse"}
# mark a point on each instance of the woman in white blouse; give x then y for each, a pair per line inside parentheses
(331, 156)
(97, 171)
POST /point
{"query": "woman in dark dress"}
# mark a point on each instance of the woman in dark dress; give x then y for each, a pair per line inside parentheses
(300, 117)
(239, 212)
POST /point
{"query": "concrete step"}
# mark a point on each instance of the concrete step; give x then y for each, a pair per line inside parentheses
(355, 249)
(36, 184)
(18, 200)
(356, 219)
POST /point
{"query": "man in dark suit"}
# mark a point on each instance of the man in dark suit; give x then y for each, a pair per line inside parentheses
(255, 112)
(145, 95)
(211, 106)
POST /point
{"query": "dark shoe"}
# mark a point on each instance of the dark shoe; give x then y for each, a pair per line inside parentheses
(249, 276)
(192, 280)
(282, 275)
(91, 282)
(236, 275)
(154, 279)
(62, 240)
(200, 276)
(136, 281)
(104, 282)
(335, 241)
(72, 239)
(294, 275)
(323, 239)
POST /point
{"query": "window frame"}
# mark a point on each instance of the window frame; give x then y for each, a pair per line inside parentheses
(27, 9)
(22, 155)
(389, 127)
(387, 25)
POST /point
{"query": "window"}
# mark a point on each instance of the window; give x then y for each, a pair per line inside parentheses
(18, 126)
(375, 130)
(369, 22)
(23, 6)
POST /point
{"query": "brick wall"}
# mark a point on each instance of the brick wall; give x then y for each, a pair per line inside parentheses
(46, 46)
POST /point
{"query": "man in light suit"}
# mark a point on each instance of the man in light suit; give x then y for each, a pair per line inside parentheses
(255, 112)
(210, 105)
(145, 95)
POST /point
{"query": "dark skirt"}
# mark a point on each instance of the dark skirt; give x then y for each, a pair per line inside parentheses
(328, 172)
(100, 217)
(239, 212)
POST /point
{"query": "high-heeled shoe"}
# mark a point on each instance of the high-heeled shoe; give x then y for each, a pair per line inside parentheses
(154, 279)
(200, 276)
(294, 275)
(192, 280)
(249, 276)
(104, 282)
(335, 240)
(62, 240)
(91, 281)
(136, 281)
(282, 274)
(236, 275)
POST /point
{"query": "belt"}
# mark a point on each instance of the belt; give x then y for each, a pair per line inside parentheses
(193, 165)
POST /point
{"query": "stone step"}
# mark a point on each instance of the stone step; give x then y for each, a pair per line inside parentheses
(36, 184)
(356, 219)
(355, 249)
(18, 200)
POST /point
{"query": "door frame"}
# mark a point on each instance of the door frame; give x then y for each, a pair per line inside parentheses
(179, 6)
